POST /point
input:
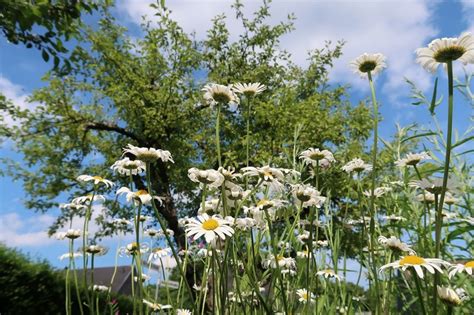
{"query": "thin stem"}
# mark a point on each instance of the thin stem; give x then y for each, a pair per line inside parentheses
(418, 290)
(168, 239)
(76, 282)
(218, 141)
(439, 219)
(372, 197)
(248, 132)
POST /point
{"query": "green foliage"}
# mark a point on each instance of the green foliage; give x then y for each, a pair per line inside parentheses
(147, 92)
(44, 24)
(36, 288)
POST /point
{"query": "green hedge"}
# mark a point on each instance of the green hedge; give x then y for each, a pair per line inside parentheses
(28, 287)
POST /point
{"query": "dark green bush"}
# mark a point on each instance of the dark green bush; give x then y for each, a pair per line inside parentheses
(28, 287)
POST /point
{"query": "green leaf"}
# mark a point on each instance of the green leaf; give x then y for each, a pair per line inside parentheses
(433, 98)
(462, 141)
(431, 133)
(45, 55)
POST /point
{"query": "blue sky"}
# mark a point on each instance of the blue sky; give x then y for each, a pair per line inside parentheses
(394, 28)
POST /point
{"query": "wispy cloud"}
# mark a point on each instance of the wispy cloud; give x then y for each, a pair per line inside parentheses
(17, 231)
(17, 94)
(394, 28)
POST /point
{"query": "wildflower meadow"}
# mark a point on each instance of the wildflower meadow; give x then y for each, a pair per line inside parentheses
(232, 181)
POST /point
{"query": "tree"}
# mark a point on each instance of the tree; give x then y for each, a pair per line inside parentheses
(147, 93)
(44, 24)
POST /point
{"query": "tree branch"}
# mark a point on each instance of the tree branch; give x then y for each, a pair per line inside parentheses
(107, 126)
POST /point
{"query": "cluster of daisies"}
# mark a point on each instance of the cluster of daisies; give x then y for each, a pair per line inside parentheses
(249, 201)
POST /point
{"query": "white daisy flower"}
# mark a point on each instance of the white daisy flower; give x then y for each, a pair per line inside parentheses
(425, 197)
(374, 63)
(97, 250)
(308, 195)
(416, 262)
(435, 185)
(70, 234)
(88, 198)
(304, 296)
(183, 311)
(444, 50)
(329, 273)
(100, 288)
(156, 306)
(128, 167)
(138, 197)
(449, 199)
(210, 178)
(314, 156)
(234, 192)
(452, 297)
(68, 255)
(244, 223)
(459, 268)
(357, 165)
(378, 192)
(151, 232)
(97, 180)
(303, 253)
(72, 207)
(271, 176)
(158, 253)
(283, 262)
(211, 206)
(395, 244)
(210, 227)
(394, 218)
(249, 89)
(148, 154)
(132, 249)
(145, 277)
(217, 93)
(413, 159)
(229, 173)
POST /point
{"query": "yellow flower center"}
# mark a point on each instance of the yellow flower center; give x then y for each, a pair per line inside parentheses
(469, 264)
(210, 224)
(304, 296)
(412, 260)
(97, 178)
(157, 249)
(141, 192)
(367, 66)
(449, 54)
(267, 174)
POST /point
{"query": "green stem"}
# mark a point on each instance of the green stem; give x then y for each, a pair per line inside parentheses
(168, 239)
(218, 141)
(84, 247)
(418, 290)
(248, 132)
(76, 282)
(372, 197)
(92, 284)
(439, 218)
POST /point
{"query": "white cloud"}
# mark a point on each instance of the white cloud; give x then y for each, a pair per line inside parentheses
(394, 28)
(16, 231)
(17, 95)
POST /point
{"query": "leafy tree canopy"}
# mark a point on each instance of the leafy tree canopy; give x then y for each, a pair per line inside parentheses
(44, 24)
(147, 92)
